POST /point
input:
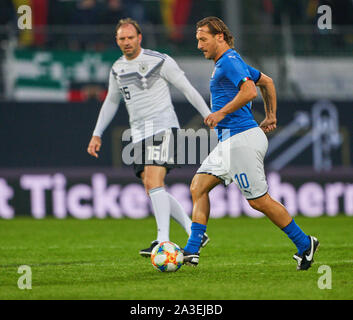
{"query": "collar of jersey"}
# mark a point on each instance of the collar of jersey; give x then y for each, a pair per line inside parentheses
(224, 53)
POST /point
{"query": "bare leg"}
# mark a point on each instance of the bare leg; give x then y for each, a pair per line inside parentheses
(278, 214)
(200, 187)
(153, 177)
(274, 210)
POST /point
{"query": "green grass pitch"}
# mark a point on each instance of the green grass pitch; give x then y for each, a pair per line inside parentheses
(98, 259)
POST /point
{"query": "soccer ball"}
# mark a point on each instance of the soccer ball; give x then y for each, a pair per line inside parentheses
(167, 257)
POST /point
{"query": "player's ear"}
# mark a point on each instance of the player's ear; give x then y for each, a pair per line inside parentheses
(140, 38)
(219, 37)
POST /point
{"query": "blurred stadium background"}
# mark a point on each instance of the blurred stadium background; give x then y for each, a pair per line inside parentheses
(54, 79)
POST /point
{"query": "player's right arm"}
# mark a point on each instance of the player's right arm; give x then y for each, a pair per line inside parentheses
(268, 92)
(106, 115)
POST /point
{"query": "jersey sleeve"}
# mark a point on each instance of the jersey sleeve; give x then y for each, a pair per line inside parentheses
(254, 73)
(174, 75)
(237, 71)
(110, 106)
(170, 70)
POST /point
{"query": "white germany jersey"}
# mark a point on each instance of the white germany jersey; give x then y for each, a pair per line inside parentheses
(143, 83)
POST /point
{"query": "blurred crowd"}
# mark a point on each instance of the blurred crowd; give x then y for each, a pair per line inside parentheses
(91, 18)
(173, 15)
(299, 12)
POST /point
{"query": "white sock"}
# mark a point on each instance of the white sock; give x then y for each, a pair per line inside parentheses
(179, 215)
(161, 208)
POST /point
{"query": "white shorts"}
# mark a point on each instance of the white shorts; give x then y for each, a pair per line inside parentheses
(240, 158)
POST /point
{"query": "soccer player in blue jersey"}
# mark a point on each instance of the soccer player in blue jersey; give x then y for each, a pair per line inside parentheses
(239, 155)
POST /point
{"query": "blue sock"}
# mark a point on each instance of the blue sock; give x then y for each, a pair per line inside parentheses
(194, 242)
(299, 238)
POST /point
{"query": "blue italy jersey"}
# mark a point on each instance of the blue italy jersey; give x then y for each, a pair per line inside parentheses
(229, 74)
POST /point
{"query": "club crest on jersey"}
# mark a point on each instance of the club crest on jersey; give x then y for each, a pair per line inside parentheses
(143, 67)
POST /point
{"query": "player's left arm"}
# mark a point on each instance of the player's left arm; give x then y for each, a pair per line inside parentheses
(268, 92)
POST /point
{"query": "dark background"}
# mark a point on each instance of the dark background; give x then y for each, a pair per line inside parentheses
(42, 135)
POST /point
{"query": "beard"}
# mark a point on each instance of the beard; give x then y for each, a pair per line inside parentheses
(207, 55)
(130, 52)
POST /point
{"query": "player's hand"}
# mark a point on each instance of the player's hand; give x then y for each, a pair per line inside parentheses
(212, 119)
(94, 146)
(268, 125)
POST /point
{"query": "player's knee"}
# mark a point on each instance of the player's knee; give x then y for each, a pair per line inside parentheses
(193, 190)
(255, 204)
(196, 190)
(260, 204)
(151, 183)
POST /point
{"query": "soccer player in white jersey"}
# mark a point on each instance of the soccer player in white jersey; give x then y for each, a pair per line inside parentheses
(239, 155)
(142, 77)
